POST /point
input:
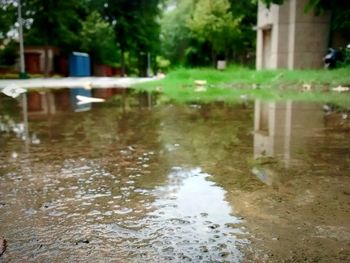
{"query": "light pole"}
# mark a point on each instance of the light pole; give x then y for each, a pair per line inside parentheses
(22, 73)
(149, 64)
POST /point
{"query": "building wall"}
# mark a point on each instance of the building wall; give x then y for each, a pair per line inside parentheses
(41, 52)
(298, 39)
(311, 37)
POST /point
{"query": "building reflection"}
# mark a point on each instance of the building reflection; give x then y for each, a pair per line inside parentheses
(50, 102)
(283, 129)
(75, 104)
(46, 104)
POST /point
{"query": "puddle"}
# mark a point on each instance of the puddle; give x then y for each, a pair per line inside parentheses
(193, 228)
(133, 180)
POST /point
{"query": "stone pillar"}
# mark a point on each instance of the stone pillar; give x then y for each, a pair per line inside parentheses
(310, 37)
(297, 39)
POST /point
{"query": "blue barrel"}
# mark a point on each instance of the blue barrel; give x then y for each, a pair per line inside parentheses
(79, 65)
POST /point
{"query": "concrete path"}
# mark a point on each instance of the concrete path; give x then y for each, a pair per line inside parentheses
(70, 82)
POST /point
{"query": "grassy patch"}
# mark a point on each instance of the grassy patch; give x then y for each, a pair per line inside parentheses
(239, 83)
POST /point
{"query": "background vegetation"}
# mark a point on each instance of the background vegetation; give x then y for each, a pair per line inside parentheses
(123, 32)
(241, 84)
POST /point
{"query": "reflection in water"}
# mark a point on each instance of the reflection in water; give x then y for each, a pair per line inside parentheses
(8, 125)
(76, 106)
(39, 105)
(120, 183)
(63, 100)
(196, 221)
(25, 119)
(51, 102)
(285, 129)
(96, 187)
(191, 193)
(303, 153)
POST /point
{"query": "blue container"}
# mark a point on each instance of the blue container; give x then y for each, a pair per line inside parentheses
(79, 65)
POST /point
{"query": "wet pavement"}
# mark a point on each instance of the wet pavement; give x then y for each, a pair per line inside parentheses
(134, 180)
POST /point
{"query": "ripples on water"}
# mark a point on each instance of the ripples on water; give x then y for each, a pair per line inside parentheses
(127, 183)
(99, 215)
(59, 206)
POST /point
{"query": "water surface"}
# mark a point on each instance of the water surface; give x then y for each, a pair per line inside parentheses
(133, 180)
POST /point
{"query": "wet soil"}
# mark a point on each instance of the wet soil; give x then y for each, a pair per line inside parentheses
(2, 245)
(131, 180)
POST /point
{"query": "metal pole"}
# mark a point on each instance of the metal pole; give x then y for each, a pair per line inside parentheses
(25, 119)
(20, 31)
(148, 64)
(22, 73)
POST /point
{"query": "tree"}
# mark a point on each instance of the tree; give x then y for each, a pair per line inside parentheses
(187, 24)
(54, 23)
(99, 39)
(136, 27)
(244, 43)
(47, 22)
(9, 54)
(8, 18)
(175, 34)
(213, 22)
(70, 25)
(147, 34)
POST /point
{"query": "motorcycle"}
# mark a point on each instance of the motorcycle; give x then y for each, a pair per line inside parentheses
(332, 57)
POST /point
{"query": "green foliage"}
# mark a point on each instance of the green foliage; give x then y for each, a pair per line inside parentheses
(243, 46)
(107, 29)
(136, 28)
(345, 63)
(213, 22)
(99, 39)
(46, 22)
(55, 23)
(162, 63)
(194, 32)
(8, 17)
(238, 84)
(175, 35)
(9, 54)
(347, 57)
(269, 2)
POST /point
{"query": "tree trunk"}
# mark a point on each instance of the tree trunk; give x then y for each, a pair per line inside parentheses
(46, 37)
(142, 65)
(46, 61)
(213, 57)
(122, 61)
(227, 55)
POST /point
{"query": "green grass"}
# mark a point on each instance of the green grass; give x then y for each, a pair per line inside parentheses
(237, 83)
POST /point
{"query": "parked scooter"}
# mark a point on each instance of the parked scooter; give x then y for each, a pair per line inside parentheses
(332, 57)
